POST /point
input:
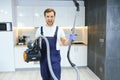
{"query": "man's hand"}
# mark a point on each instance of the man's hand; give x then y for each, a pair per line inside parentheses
(72, 37)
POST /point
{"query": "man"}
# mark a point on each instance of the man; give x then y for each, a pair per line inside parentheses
(55, 35)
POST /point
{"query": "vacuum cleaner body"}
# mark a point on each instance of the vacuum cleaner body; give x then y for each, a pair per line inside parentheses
(33, 52)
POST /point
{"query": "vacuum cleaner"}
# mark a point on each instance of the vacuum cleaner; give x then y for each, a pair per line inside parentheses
(33, 52)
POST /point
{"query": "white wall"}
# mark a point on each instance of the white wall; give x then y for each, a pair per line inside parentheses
(65, 13)
(5, 10)
(47, 3)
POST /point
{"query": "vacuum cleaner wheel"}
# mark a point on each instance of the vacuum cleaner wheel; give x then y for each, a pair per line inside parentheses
(24, 56)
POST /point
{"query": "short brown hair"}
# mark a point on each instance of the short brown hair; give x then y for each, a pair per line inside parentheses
(49, 10)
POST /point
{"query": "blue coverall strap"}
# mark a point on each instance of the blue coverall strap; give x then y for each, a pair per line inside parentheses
(41, 30)
(56, 31)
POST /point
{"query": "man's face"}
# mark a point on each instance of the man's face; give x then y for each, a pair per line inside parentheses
(50, 17)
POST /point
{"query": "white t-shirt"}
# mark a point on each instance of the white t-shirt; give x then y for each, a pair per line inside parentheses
(49, 32)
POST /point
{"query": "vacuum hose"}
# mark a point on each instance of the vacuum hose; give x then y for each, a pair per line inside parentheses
(33, 53)
(48, 57)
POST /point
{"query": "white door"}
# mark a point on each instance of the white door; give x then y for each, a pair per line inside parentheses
(6, 51)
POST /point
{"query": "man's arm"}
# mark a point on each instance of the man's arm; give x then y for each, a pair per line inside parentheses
(64, 41)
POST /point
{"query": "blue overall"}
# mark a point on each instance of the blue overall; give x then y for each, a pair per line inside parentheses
(55, 58)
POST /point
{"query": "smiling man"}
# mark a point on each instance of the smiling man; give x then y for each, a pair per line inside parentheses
(55, 36)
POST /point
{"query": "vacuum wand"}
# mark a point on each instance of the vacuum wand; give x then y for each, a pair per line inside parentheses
(77, 5)
(73, 31)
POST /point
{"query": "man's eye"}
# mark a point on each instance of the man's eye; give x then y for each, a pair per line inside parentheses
(51, 16)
